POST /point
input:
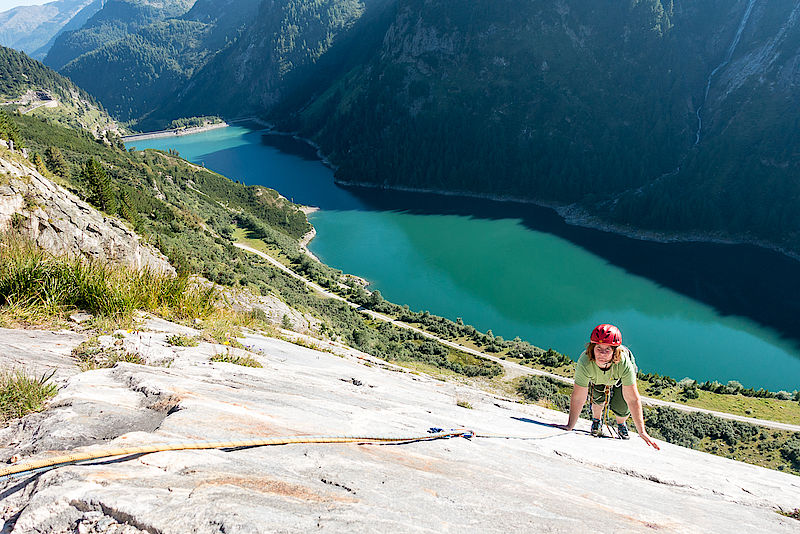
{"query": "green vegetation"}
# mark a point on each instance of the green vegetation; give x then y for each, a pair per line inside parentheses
(155, 49)
(237, 359)
(20, 74)
(193, 122)
(274, 48)
(730, 398)
(775, 449)
(21, 394)
(9, 130)
(464, 404)
(547, 391)
(92, 354)
(98, 186)
(179, 340)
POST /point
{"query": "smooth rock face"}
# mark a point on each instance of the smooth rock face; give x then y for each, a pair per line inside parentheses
(63, 224)
(552, 481)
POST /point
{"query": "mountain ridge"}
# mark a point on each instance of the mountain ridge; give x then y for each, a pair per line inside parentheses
(32, 29)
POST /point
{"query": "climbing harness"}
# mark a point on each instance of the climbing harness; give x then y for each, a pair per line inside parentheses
(604, 419)
(50, 463)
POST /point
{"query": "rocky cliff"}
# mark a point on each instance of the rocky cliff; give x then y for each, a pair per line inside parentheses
(63, 224)
(519, 474)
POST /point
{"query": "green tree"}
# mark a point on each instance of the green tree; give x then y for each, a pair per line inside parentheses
(374, 300)
(98, 184)
(39, 164)
(55, 161)
(9, 130)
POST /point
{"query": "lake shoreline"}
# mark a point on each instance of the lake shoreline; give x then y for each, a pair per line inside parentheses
(574, 215)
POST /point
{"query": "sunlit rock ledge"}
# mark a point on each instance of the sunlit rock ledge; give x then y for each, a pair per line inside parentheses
(552, 481)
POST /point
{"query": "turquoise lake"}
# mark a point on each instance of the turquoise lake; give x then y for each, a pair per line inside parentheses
(707, 311)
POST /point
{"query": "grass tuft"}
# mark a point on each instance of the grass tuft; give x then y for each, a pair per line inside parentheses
(21, 394)
(246, 361)
(91, 354)
(178, 340)
(37, 283)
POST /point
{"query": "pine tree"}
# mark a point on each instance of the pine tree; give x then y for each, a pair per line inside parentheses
(98, 184)
(55, 161)
(39, 164)
(9, 131)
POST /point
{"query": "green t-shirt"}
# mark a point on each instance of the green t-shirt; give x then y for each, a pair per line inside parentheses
(587, 371)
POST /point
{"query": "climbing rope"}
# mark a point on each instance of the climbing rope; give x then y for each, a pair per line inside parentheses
(49, 463)
(498, 436)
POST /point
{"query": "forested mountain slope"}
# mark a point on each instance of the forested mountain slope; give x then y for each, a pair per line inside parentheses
(288, 42)
(590, 103)
(220, 56)
(28, 87)
(116, 20)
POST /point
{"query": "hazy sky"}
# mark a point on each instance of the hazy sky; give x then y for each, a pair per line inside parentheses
(5, 5)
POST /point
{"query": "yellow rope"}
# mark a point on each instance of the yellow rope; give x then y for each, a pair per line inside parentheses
(199, 445)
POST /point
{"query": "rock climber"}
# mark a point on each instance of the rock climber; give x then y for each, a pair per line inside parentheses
(607, 370)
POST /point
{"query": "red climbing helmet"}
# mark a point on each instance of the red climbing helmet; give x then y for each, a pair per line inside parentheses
(607, 334)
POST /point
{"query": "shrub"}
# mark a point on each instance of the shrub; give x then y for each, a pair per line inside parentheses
(791, 450)
(535, 388)
(687, 429)
(552, 358)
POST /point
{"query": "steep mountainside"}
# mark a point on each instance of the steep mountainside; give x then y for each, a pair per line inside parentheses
(287, 42)
(33, 29)
(155, 53)
(597, 104)
(29, 87)
(61, 223)
(116, 20)
(178, 62)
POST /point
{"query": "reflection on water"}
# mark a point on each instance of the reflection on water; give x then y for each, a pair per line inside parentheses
(687, 309)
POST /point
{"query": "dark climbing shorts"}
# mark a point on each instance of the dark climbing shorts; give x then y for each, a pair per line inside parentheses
(618, 405)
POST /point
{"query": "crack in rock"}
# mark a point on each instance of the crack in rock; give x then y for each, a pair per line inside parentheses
(95, 511)
(624, 471)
